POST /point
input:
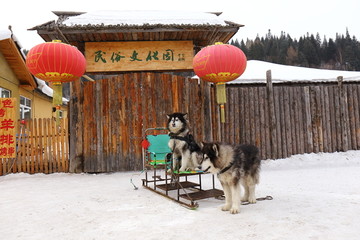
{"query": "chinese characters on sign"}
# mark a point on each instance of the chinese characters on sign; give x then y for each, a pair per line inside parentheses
(167, 55)
(7, 128)
(138, 56)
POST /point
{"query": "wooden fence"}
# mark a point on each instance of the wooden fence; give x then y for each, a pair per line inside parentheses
(109, 116)
(42, 147)
(283, 120)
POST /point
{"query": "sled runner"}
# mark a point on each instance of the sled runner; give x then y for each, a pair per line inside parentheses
(184, 188)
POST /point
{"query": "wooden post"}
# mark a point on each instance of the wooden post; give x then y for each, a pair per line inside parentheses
(344, 118)
(309, 147)
(76, 128)
(272, 120)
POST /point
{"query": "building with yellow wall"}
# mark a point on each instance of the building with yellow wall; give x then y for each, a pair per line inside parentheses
(17, 82)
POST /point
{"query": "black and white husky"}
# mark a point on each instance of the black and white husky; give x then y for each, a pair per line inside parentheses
(234, 165)
(184, 149)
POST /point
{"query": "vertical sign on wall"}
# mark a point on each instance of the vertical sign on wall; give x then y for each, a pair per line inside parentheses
(7, 128)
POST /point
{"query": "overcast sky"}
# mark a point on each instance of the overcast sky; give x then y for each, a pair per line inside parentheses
(294, 17)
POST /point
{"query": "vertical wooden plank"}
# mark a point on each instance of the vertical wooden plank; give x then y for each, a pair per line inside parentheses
(131, 110)
(37, 148)
(314, 118)
(257, 115)
(338, 119)
(351, 116)
(50, 144)
(105, 151)
(41, 148)
(66, 131)
(30, 159)
(123, 127)
(356, 96)
(281, 121)
(46, 146)
(146, 104)
(62, 148)
(318, 119)
(326, 119)
(287, 118)
(175, 92)
(230, 115)
(332, 109)
(88, 114)
(112, 128)
(236, 114)
(137, 120)
(308, 124)
(208, 125)
(246, 126)
(265, 127)
(252, 106)
(76, 127)
(21, 148)
(58, 148)
(294, 143)
(98, 163)
(344, 123)
(125, 121)
(271, 112)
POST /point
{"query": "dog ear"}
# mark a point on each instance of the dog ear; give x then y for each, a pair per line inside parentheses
(168, 116)
(201, 144)
(185, 116)
(215, 147)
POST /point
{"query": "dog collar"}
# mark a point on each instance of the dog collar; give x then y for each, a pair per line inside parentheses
(227, 168)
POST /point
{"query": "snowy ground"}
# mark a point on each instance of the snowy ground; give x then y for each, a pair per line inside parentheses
(316, 196)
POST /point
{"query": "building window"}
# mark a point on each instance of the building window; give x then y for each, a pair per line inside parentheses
(4, 93)
(25, 108)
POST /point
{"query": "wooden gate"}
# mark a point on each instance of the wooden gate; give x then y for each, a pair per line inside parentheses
(108, 117)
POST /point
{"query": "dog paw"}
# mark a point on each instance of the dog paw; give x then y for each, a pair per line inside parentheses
(183, 169)
(234, 210)
(244, 199)
(225, 208)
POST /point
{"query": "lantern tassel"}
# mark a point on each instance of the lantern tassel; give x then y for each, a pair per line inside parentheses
(221, 99)
(57, 100)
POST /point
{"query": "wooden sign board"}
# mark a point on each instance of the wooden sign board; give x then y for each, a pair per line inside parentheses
(7, 128)
(139, 56)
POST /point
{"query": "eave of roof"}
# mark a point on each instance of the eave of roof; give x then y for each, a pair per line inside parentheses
(17, 63)
(201, 32)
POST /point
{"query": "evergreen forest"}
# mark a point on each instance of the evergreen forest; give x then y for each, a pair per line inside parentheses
(341, 53)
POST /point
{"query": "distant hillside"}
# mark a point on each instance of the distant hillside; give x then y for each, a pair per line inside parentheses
(343, 53)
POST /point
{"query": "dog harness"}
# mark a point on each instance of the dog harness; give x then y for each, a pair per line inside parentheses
(225, 169)
(189, 139)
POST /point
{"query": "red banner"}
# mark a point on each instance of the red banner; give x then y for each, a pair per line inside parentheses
(7, 128)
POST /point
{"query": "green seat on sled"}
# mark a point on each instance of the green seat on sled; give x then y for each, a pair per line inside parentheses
(158, 149)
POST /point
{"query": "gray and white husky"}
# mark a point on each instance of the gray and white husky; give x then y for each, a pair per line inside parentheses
(184, 149)
(233, 165)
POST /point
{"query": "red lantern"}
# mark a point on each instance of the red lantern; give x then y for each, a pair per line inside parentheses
(56, 62)
(220, 63)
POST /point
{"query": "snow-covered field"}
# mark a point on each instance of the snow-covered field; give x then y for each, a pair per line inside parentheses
(316, 196)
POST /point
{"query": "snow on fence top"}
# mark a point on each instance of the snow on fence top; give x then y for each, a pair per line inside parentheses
(256, 73)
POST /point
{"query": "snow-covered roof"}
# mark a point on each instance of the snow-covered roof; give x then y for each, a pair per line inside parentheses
(43, 87)
(5, 34)
(132, 18)
(255, 72)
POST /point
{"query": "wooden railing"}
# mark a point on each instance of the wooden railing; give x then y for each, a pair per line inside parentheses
(41, 146)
